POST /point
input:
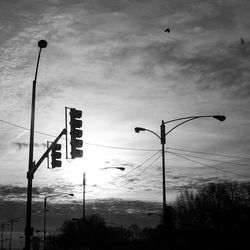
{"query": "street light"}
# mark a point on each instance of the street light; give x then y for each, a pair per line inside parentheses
(28, 230)
(119, 168)
(162, 138)
(45, 212)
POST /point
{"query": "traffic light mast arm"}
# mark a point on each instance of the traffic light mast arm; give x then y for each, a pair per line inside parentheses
(36, 166)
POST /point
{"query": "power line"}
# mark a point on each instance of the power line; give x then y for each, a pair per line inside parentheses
(86, 143)
(18, 126)
(133, 149)
(148, 166)
(205, 153)
(123, 148)
(206, 165)
(141, 164)
(143, 170)
(203, 158)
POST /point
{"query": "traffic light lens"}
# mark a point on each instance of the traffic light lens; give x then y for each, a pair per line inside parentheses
(77, 153)
(58, 147)
(56, 164)
(77, 114)
(76, 124)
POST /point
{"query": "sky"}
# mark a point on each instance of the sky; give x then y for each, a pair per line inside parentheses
(113, 60)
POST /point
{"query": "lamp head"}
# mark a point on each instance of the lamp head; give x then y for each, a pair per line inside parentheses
(121, 168)
(221, 118)
(42, 44)
(138, 129)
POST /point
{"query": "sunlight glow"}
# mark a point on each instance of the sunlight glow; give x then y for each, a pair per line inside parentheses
(95, 163)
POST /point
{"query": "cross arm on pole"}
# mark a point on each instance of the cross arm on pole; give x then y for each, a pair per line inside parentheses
(36, 166)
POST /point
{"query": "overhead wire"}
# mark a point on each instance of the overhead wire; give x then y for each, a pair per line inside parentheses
(141, 164)
(134, 149)
(86, 143)
(148, 166)
(206, 153)
(140, 173)
(209, 166)
(215, 160)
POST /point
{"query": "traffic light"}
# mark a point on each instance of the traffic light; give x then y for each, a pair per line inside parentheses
(56, 156)
(75, 133)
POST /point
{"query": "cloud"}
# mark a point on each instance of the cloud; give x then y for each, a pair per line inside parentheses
(119, 212)
(21, 145)
(10, 192)
(114, 60)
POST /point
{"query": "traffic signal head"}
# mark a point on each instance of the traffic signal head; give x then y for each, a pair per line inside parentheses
(76, 133)
(56, 156)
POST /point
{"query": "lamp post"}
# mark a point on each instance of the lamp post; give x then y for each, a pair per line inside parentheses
(84, 189)
(45, 212)
(162, 138)
(28, 230)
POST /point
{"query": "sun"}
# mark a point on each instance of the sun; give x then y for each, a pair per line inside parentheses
(95, 163)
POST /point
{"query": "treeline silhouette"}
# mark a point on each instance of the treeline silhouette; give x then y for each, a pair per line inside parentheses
(216, 216)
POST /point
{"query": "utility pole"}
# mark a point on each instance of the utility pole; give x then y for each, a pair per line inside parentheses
(83, 198)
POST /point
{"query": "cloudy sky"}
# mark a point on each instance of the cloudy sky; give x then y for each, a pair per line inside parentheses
(112, 60)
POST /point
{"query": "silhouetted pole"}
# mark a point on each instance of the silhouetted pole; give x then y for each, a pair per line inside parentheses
(163, 142)
(2, 236)
(44, 222)
(28, 229)
(162, 138)
(11, 228)
(45, 215)
(83, 198)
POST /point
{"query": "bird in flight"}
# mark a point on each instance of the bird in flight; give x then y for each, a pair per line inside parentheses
(167, 30)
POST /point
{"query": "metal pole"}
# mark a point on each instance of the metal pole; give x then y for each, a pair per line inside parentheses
(44, 222)
(11, 226)
(47, 155)
(28, 229)
(163, 141)
(66, 127)
(2, 236)
(83, 198)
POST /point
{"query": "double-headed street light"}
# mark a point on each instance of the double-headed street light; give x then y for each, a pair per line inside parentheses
(162, 138)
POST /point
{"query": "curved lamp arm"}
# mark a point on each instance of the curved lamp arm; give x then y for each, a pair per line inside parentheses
(180, 125)
(218, 117)
(138, 129)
